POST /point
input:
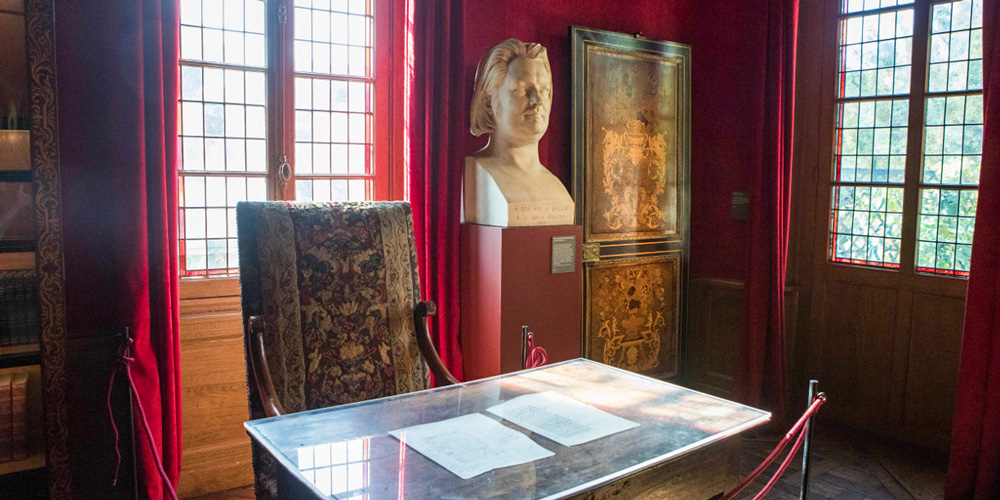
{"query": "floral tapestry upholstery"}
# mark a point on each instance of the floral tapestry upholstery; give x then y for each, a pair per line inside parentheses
(336, 284)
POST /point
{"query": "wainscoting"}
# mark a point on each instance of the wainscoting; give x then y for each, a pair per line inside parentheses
(887, 358)
(216, 449)
(716, 311)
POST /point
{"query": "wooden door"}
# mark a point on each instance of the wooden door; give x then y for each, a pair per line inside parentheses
(879, 328)
(631, 121)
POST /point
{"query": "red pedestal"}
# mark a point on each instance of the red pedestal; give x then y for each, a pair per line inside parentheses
(507, 282)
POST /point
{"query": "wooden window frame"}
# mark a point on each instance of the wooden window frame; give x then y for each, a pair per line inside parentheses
(907, 274)
(389, 177)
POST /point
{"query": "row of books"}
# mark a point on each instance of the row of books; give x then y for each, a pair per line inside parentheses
(19, 319)
(13, 416)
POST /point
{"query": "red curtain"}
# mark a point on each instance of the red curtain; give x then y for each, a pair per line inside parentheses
(118, 90)
(433, 122)
(760, 372)
(974, 466)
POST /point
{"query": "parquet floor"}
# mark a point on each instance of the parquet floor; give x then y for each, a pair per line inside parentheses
(850, 465)
(847, 465)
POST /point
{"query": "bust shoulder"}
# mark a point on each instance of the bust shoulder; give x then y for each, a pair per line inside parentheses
(518, 185)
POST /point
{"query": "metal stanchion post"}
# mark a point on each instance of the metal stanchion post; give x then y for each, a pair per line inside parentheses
(806, 446)
(524, 347)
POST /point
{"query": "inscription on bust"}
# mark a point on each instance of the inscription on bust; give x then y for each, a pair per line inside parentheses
(540, 213)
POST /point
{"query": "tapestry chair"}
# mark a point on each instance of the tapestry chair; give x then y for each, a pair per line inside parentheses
(331, 310)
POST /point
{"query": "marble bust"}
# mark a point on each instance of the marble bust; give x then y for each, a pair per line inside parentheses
(505, 183)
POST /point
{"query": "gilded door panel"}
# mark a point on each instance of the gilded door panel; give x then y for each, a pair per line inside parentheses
(631, 121)
(633, 314)
(634, 146)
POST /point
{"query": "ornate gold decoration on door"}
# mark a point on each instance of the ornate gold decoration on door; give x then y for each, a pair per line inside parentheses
(633, 313)
(630, 184)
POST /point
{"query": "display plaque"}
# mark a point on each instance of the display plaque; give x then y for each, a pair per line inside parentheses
(563, 254)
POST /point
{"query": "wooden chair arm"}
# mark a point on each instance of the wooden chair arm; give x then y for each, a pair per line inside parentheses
(261, 372)
(442, 376)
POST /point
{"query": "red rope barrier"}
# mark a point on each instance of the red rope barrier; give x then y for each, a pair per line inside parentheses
(796, 429)
(781, 469)
(536, 356)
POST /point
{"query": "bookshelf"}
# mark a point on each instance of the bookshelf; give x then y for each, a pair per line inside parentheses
(32, 321)
(34, 439)
(22, 446)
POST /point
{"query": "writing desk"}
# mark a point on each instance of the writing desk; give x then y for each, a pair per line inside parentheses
(680, 449)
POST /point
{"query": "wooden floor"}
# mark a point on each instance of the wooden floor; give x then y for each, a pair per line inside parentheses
(850, 465)
(847, 465)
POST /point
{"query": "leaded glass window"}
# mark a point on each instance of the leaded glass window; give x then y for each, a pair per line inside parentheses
(263, 82)
(876, 89)
(223, 129)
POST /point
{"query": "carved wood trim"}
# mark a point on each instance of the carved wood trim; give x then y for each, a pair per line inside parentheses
(40, 40)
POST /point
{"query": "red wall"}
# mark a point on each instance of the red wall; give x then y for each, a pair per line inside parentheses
(727, 39)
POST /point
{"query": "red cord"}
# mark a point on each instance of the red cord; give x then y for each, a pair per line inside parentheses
(124, 361)
(813, 408)
(536, 356)
(111, 415)
(781, 470)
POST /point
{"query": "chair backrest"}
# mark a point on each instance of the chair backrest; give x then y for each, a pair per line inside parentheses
(336, 284)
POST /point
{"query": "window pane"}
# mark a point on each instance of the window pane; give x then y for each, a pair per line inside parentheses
(866, 225)
(223, 31)
(333, 145)
(875, 54)
(332, 40)
(945, 228)
(953, 140)
(871, 141)
(852, 6)
(956, 46)
(223, 127)
(334, 103)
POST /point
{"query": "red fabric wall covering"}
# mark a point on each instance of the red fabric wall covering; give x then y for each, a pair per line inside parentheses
(433, 157)
(974, 465)
(726, 102)
(759, 379)
(117, 91)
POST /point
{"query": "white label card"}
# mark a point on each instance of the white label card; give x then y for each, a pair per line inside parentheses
(471, 444)
(560, 418)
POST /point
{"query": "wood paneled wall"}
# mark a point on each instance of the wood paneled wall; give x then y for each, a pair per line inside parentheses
(715, 323)
(888, 359)
(216, 448)
(882, 342)
(716, 316)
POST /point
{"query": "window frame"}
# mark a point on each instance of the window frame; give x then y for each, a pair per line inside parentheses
(907, 273)
(389, 178)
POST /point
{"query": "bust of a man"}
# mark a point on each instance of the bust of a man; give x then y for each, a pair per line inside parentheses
(505, 183)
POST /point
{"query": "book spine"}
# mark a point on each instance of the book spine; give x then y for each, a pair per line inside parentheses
(14, 305)
(19, 416)
(20, 311)
(34, 311)
(6, 419)
(6, 299)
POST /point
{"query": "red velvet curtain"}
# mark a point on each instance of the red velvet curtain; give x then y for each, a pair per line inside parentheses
(118, 90)
(974, 466)
(760, 372)
(433, 122)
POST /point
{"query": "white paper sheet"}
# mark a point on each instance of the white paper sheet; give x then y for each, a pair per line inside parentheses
(560, 418)
(471, 444)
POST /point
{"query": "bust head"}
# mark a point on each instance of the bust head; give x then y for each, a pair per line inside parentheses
(513, 93)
